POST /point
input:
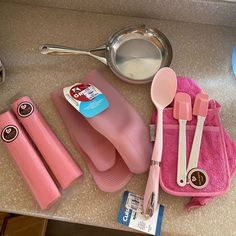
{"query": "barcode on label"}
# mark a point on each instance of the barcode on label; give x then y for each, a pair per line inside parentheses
(134, 202)
(90, 92)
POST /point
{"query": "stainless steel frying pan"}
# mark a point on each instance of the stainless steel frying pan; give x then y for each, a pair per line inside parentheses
(134, 53)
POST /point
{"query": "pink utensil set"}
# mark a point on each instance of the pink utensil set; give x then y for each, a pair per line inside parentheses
(183, 113)
(163, 91)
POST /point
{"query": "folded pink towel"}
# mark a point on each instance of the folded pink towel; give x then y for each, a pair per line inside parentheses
(217, 154)
(114, 143)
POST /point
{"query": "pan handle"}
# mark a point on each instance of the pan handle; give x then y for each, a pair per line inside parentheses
(2, 73)
(49, 49)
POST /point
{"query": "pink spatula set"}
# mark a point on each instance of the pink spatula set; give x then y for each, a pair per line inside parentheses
(183, 112)
(163, 91)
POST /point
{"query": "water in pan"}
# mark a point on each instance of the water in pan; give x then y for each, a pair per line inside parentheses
(138, 59)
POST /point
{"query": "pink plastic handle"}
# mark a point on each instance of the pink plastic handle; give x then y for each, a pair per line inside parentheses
(158, 146)
(56, 156)
(152, 187)
(28, 161)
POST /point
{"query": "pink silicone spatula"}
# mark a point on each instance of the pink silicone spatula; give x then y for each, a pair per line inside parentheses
(182, 112)
(163, 91)
(200, 109)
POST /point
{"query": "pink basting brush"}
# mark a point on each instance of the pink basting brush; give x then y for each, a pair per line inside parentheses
(200, 109)
(182, 112)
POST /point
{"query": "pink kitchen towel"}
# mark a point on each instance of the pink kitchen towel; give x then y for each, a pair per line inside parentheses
(217, 154)
(196, 202)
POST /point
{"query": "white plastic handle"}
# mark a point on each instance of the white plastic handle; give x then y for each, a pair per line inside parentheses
(181, 167)
(194, 155)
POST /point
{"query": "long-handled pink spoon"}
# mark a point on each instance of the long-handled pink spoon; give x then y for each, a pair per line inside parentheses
(163, 91)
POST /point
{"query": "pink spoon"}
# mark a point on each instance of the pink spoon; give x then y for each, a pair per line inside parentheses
(163, 91)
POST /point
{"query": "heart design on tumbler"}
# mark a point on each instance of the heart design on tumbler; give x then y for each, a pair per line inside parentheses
(8, 131)
(23, 107)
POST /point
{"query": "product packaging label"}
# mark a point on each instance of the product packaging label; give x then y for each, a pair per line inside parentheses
(86, 98)
(130, 214)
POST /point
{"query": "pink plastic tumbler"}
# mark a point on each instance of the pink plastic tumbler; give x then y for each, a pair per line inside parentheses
(28, 161)
(53, 151)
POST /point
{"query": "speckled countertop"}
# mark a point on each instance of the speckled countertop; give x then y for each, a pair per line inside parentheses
(202, 52)
(217, 12)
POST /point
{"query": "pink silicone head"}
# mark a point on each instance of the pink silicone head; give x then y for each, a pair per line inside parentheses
(201, 102)
(163, 87)
(182, 107)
